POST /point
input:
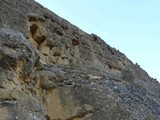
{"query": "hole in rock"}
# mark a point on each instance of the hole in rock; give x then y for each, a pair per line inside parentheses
(60, 33)
(75, 42)
(33, 28)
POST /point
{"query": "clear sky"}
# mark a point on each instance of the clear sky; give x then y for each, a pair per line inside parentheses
(131, 26)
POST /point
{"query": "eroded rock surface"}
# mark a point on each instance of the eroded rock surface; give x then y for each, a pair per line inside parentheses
(52, 70)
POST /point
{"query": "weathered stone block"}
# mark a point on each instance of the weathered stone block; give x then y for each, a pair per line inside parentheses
(40, 35)
(45, 50)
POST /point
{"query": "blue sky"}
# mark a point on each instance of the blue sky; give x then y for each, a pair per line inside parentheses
(131, 26)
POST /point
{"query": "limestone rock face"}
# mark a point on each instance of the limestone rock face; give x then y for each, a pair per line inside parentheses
(52, 70)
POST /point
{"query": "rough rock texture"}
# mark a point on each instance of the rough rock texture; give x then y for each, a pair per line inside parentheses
(52, 70)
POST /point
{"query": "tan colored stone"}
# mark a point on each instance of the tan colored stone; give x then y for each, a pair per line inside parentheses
(60, 61)
(65, 62)
(4, 113)
(40, 35)
(52, 59)
(94, 77)
(55, 51)
(44, 43)
(33, 42)
(44, 50)
(54, 106)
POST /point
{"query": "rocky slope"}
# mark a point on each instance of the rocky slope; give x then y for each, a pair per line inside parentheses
(52, 70)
